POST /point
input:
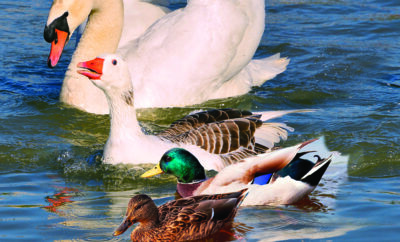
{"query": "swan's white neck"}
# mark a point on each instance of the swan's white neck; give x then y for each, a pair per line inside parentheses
(101, 35)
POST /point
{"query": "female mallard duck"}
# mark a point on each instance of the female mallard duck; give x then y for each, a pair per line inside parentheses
(216, 137)
(184, 219)
(293, 176)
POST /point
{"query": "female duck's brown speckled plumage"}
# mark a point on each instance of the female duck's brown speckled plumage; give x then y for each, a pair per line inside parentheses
(184, 219)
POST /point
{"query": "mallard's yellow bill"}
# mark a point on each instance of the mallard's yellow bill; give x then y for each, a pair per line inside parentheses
(152, 172)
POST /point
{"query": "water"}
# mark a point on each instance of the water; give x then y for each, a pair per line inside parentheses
(345, 59)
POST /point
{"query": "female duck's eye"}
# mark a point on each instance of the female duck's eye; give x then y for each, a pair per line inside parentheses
(114, 62)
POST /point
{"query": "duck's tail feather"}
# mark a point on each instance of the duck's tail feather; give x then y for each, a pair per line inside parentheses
(261, 70)
(315, 174)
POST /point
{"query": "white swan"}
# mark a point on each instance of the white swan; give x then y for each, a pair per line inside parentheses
(219, 137)
(202, 51)
(112, 23)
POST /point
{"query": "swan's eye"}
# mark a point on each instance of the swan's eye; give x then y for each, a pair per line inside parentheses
(114, 62)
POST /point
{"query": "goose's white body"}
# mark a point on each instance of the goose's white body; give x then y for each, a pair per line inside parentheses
(128, 144)
(202, 51)
(148, 149)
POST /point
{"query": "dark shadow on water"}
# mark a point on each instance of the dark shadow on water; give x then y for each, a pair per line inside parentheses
(392, 80)
(311, 204)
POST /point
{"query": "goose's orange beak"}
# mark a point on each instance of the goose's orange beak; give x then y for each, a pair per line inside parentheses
(93, 69)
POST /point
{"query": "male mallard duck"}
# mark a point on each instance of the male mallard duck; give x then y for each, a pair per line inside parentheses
(184, 219)
(293, 176)
(216, 137)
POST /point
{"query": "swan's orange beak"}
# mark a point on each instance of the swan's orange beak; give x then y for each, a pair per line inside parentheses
(57, 47)
(93, 69)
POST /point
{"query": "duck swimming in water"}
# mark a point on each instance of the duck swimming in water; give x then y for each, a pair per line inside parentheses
(292, 176)
(191, 218)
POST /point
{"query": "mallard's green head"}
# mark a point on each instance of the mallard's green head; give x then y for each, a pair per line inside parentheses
(180, 163)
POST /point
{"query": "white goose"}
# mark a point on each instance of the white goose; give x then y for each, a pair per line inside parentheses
(219, 137)
(203, 51)
(112, 24)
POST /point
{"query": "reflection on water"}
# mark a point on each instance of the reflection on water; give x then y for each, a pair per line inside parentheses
(61, 197)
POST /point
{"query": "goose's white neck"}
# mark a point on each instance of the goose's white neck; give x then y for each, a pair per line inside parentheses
(126, 142)
(123, 116)
(101, 35)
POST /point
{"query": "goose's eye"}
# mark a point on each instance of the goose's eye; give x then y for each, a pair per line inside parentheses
(114, 62)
